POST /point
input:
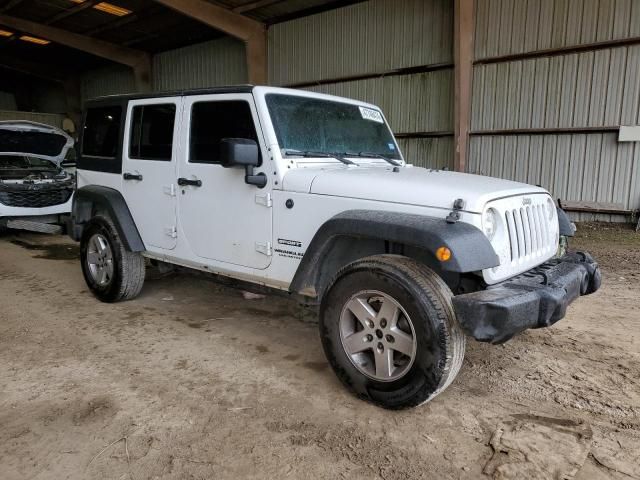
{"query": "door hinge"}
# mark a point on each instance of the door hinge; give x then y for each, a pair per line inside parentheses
(171, 231)
(264, 199)
(169, 190)
(264, 248)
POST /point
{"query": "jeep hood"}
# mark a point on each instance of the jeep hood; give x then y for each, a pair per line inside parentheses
(34, 140)
(409, 185)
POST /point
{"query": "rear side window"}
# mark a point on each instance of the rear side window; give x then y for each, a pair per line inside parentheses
(213, 121)
(101, 131)
(152, 132)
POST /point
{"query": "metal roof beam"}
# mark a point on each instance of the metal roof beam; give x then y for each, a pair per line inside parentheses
(217, 17)
(132, 17)
(247, 7)
(71, 11)
(136, 59)
(10, 5)
(252, 32)
(45, 72)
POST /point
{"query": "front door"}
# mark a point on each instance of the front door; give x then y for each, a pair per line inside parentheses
(149, 155)
(221, 217)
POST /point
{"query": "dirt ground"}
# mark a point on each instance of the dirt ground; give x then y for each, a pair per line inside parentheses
(192, 381)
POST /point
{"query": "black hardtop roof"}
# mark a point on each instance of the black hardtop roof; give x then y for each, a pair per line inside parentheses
(174, 93)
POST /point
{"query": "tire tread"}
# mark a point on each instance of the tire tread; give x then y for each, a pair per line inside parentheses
(439, 296)
(131, 266)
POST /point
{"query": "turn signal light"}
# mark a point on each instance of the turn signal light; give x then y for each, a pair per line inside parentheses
(443, 254)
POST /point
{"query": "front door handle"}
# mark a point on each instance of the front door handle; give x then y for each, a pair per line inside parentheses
(186, 181)
(132, 176)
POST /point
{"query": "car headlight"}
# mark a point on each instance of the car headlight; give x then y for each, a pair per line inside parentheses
(490, 223)
(551, 208)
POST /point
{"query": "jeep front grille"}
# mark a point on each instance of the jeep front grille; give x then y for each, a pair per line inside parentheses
(528, 230)
(40, 196)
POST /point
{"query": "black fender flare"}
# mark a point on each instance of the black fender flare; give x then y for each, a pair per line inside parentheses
(567, 228)
(470, 248)
(95, 198)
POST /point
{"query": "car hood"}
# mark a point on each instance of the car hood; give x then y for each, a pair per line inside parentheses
(35, 140)
(407, 185)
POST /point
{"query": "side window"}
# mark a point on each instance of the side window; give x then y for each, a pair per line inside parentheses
(213, 121)
(101, 131)
(152, 132)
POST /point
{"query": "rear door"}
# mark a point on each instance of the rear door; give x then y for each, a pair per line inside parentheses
(150, 151)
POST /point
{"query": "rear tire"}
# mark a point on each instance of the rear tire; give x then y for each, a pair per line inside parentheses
(389, 331)
(112, 273)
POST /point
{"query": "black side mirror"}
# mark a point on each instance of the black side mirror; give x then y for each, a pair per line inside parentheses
(242, 152)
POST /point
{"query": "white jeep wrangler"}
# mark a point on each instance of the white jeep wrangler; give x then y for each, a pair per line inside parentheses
(309, 194)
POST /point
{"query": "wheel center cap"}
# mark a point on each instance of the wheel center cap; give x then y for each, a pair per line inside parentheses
(379, 333)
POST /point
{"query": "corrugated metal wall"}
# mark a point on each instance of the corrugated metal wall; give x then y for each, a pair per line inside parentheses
(411, 103)
(589, 89)
(595, 89)
(106, 81)
(505, 27)
(218, 62)
(365, 38)
(374, 40)
(46, 118)
(588, 167)
(7, 101)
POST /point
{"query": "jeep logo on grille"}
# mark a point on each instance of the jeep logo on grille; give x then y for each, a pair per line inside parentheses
(526, 201)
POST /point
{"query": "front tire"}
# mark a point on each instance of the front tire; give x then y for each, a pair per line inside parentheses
(112, 273)
(389, 331)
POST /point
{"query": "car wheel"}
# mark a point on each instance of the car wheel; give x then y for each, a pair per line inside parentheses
(389, 331)
(112, 273)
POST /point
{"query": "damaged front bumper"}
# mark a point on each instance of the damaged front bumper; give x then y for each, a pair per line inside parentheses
(538, 298)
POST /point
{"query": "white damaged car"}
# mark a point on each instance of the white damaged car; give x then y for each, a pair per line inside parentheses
(35, 189)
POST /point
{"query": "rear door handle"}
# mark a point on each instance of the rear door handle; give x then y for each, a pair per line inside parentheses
(132, 176)
(186, 181)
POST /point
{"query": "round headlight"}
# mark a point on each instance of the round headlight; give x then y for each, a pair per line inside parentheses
(551, 208)
(490, 223)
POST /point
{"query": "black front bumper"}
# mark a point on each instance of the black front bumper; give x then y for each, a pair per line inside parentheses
(535, 299)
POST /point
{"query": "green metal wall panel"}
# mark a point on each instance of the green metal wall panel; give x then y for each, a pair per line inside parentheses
(428, 152)
(365, 38)
(412, 103)
(209, 64)
(588, 167)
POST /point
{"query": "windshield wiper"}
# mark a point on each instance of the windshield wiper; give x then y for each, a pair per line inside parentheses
(374, 155)
(310, 153)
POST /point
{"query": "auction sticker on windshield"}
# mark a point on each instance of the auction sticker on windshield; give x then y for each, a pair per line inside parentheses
(371, 114)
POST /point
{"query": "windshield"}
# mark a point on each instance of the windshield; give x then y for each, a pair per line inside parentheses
(304, 124)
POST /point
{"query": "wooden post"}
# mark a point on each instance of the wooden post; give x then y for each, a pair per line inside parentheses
(463, 59)
(256, 51)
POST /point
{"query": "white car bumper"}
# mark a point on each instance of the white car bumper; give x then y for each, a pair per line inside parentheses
(10, 212)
